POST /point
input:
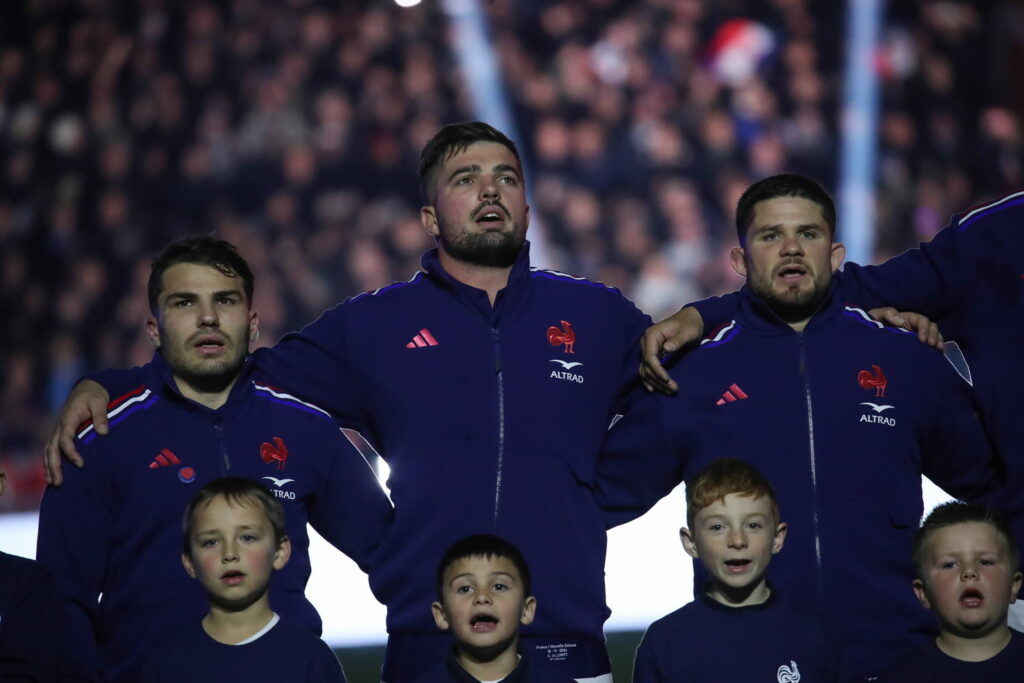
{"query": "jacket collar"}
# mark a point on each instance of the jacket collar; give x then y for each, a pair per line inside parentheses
(755, 315)
(509, 300)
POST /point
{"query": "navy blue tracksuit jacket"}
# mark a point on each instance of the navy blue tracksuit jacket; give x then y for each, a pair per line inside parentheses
(842, 418)
(114, 527)
(490, 418)
(969, 279)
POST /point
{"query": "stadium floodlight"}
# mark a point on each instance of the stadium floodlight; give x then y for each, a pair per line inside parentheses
(407, 3)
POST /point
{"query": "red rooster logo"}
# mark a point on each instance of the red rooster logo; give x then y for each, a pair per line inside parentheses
(277, 452)
(566, 335)
(876, 381)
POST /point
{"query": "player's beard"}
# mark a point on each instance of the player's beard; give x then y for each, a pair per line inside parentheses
(490, 249)
(208, 375)
(792, 306)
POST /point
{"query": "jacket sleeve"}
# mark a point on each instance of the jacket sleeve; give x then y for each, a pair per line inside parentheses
(350, 509)
(925, 280)
(315, 364)
(638, 464)
(632, 322)
(716, 310)
(74, 542)
(956, 453)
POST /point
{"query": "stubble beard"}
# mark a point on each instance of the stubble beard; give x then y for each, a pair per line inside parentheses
(209, 375)
(489, 249)
(792, 306)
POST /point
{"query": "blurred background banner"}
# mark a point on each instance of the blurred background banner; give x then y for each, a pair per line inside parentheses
(292, 128)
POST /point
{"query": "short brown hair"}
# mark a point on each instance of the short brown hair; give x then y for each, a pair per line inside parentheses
(202, 250)
(725, 476)
(958, 512)
(783, 185)
(234, 490)
(451, 140)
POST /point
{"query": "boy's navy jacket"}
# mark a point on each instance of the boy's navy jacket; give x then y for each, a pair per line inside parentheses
(969, 279)
(928, 664)
(490, 418)
(842, 418)
(449, 671)
(30, 625)
(286, 652)
(707, 642)
(115, 526)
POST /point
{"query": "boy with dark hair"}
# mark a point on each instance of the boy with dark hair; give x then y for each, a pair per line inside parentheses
(968, 573)
(234, 540)
(734, 529)
(484, 594)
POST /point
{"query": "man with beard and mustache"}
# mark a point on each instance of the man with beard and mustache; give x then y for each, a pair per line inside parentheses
(840, 413)
(111, 535)
(488, 387)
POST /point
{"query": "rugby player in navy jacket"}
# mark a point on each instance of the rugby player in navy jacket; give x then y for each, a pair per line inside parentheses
(840, 412)
(114, 527)
(970, 280)
(488, 387)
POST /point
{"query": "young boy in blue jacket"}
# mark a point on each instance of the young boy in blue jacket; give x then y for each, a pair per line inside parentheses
(485, 594)
(968, 573)
(234, 539)
(733, 528)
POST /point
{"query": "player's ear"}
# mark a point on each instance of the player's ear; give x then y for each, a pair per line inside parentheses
(689, 544)
(428, 217)
(922, 596)
(529, 610)
(153, 331)
(738, 261)
(838, 255)
(440, 617)
(254, 326)
(186, 561)
(780, 537)
(1017, 578)
(283, 553)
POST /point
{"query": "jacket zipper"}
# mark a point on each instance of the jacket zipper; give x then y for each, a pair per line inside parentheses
(813, 460)
(501, 422)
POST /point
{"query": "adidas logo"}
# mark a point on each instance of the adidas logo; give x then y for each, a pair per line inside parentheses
(732, 394)
(424, 338)
(165, 459)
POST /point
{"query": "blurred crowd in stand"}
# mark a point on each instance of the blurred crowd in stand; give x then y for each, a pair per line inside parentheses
(292, 128)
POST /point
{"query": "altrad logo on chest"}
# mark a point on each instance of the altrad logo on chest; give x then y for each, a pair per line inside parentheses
(277, 453)
(875, 380)
(564, 336)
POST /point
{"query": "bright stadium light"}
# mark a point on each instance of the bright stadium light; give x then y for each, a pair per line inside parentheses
(407, 3)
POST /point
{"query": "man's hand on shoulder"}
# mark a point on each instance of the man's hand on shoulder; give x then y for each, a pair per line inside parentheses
(671, 334)
(87, 401)
(927, 331)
